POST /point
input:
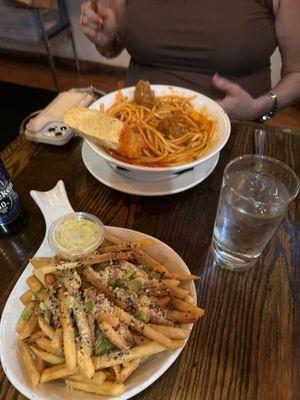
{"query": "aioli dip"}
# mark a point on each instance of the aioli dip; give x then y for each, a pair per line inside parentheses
(76, 235)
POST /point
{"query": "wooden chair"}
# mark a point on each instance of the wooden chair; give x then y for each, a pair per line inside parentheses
(25, 25)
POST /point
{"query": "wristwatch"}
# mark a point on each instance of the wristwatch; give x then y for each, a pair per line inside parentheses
(273, 110)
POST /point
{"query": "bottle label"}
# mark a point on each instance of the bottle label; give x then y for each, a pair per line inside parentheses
(10, 205)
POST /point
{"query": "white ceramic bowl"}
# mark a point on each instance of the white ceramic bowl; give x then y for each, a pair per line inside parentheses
(145, 173)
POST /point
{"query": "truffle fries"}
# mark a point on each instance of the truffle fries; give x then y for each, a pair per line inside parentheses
(93, 322)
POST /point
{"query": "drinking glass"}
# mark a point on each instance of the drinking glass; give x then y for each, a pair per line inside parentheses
(255, 194)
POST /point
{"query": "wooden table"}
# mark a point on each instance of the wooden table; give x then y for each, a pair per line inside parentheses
(247, 346)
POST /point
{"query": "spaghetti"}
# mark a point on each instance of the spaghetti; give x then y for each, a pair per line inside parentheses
(172, 131)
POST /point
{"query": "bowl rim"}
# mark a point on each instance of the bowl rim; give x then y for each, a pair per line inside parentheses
(142, 168)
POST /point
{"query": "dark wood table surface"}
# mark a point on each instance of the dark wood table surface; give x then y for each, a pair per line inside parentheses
(247, 345)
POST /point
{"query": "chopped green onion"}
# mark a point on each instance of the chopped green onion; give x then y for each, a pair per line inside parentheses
(156, 275)
(145, 301)
(43, 306)
(128, 274)
(103, 345)
(135, 286)
(27, 314)
(33, 297)
(70, 302)
(141, 316)
(116, 282)
(88, 307)
(147, 267)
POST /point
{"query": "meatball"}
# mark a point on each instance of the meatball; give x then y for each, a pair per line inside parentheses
(144, 95)
(171, 126)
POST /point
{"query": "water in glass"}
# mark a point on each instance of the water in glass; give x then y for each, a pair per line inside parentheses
(251, 206)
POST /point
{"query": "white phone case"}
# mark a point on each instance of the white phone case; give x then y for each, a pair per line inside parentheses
(48, 127)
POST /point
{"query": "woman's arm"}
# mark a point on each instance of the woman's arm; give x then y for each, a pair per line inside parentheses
(239, 103)
(288, 35)
(100, 24)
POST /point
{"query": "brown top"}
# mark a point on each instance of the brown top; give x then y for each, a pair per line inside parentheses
(184, 42)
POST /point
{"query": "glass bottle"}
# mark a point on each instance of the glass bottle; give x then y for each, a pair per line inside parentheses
(12, 214)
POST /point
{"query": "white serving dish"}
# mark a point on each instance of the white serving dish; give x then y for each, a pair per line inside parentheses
(109, 175)
(53, 205)
(144, 173)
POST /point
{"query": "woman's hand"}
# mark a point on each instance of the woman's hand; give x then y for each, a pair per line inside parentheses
(99, 23)
(237, 102)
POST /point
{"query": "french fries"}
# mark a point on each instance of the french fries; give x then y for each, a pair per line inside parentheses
(57, 340)
(172, 332)
(106, 388)
(38, 262)
(183, 317)
(68, 336)
(47, 345)
(128, 369)
(30, 366)
(145, 329)
(49, 279)
(124, 246)
(187, 307)
(141, 351)
(40, 364)
(48, 357)
(93, 322)
(84, 351)
(113, 335)
(28, 321)
(37, 335)
(27, 297)
(98, 378)
(57, 372)
(144, 258)
(39, 275)
(33, 283)
(177, 291)
(117, 370)
(171, 282)
(102, 258)
(62, 266)
(46, 328)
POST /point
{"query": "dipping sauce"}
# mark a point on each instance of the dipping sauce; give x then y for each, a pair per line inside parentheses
(76, 235)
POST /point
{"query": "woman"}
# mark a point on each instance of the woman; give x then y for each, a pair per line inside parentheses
(219, 48)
